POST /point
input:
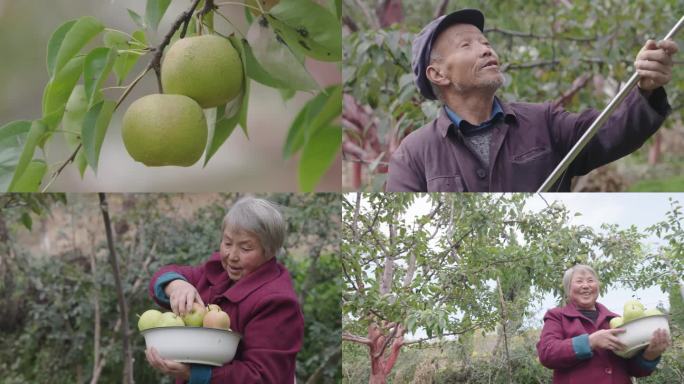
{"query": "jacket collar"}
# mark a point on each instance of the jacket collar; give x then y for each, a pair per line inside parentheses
(443, 122)
(237, 291)
(570, 310)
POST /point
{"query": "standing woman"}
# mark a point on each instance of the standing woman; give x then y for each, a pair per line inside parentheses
(578, 344)
(256, 291)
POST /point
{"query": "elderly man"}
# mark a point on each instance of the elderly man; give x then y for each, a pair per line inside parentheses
(480, 143)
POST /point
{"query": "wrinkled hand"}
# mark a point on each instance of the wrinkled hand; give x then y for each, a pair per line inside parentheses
(169, 367)
(660, 341)
(606, 339)
(654, 64)
(181, 295)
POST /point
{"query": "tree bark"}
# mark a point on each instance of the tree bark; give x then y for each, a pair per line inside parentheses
(127, 353)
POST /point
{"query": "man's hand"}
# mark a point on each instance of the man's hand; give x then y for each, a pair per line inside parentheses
(660, 341)
(607, 339)
(654, 64)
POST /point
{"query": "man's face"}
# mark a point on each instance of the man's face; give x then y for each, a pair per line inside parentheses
(464, 60)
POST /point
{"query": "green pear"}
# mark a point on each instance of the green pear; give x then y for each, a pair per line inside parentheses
(149, 319)
(206, 68)
(652, 312)
(616, 322)
(633, 309)
(165, 130)
(195, 316)
(170, 319)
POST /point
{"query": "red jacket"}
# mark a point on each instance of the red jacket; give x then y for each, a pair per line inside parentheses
(556, 351)
(263, 307)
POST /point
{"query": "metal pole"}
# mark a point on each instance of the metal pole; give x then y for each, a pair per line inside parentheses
(600, 120)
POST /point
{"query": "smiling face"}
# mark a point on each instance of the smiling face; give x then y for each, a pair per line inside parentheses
(241, 253)
(464, 60)
(584, 289)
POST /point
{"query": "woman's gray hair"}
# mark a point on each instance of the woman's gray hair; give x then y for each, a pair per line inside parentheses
(260, 217)
(567, 277)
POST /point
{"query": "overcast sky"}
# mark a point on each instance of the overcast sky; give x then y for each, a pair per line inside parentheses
(623, 209)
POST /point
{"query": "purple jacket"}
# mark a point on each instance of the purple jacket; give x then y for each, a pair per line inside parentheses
(564, 347)
(263, 307)
(526, 145)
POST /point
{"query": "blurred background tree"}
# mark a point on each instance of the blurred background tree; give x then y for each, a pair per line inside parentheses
(59, 316)
(575, 53)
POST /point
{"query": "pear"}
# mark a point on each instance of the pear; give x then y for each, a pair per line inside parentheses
(165, 130)
(633, 309)
(616, 322)
(195, 316)
(652, 312)
(149, 319)
(206, 68)
(170, 319)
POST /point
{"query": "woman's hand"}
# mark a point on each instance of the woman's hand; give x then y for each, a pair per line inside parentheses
(659, 343)
(606, 339)
(169, 367)
(181, 295)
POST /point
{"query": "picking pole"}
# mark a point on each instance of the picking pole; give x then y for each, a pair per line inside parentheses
(598, 123)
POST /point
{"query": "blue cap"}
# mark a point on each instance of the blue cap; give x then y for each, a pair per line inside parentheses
(422, 44)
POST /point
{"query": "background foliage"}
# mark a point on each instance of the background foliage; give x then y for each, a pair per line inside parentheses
(51, 298)
(464, 277)
(575, 53)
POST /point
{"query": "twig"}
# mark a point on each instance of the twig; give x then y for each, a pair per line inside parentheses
(61, 168)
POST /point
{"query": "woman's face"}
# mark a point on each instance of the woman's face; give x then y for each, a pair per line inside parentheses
(584, 289)
(241, 253)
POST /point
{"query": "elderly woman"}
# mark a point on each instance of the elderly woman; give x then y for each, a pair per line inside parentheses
(578, 344)
(256, 291)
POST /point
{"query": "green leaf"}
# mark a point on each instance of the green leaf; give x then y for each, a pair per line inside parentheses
(94, 129)
(58, 90)
(308, 28)
(76, 38)
(26, 220)
(276, 59)
(242, 113)
(125, 61)
(98, 64)
(318, 155)
(222, 130)
(154, 11)
(32, 177)
(256, 72)
(35, 133)
(14, 128)
(55, 43)
(318, 112)
(137, 19)
(74, 113)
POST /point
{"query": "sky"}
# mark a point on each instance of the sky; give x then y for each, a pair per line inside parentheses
(623, 209)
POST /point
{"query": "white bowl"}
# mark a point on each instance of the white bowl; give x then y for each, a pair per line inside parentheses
(639, 333)
(193, 344)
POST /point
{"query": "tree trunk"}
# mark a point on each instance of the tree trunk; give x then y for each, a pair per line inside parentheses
(127, 353)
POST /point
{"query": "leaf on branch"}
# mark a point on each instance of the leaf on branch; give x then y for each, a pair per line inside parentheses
(154, 11)
(75, 111)
(125, 61)
(35, 133)
(318, 112)
(75, 39)
(94, 128)
(57, 91)
(32, 177)
(54, 44)
(276, 59)
(317, 156)
(98, 64)
(308, 28)
(137, 19)
(12, 138)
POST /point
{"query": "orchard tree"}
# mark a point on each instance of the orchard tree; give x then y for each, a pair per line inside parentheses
(470, 262)
(576, 54)
(203, 78)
